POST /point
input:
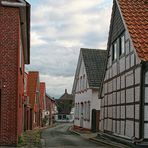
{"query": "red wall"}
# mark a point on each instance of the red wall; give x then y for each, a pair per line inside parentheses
(10, 113)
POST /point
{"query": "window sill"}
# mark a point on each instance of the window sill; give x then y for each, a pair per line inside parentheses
(114, 61)
(122, 55)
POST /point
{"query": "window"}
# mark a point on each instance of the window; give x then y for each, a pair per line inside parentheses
(34, 117)
(122, 45)
(83, 82)
(88, 111)
(77, 85)
(78, 110)
(64, 116)
(85, 110)
(114, 51)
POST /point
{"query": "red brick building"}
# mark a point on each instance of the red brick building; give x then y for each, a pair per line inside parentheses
(42, 101)
(33, 90)
(14, 53)
(50, 108)
(26, 106)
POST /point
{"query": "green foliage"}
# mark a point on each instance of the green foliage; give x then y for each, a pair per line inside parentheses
(30, 138)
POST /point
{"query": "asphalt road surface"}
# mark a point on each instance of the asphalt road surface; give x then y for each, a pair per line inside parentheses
(61, 137)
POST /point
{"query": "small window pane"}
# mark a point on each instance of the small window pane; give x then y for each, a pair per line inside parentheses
(114, 51)
(122, 45)
(146, 77)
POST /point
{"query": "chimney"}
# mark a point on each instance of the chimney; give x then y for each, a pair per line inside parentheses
(65, 91)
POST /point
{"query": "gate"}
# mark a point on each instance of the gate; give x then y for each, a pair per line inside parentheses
(95, 120)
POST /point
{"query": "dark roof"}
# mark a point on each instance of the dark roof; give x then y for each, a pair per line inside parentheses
(135, 15)
(94, 61)
(66, 96)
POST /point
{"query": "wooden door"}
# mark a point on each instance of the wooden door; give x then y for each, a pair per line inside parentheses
(95, 120)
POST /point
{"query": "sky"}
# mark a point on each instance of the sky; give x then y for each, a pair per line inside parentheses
(59, 28)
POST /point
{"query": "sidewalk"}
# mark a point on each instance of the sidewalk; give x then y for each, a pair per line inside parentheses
(95, 138)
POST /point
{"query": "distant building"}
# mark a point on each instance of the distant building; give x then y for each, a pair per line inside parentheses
(124, 93)
(88, 79)
(26, 106)
(65, 104)
(42, 101)
(33, 90)
(51, 110)
(14, 53)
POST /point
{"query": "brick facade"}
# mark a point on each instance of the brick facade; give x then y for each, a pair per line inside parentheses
(33, 90)
(50, 106)
(9, 47)
(42, 102)
(11, 76)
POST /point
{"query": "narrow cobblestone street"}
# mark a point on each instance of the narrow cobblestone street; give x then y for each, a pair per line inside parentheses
(61, 137)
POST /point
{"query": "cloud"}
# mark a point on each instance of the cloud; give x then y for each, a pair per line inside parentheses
(59, 29)
(36, 39)
(55, 86)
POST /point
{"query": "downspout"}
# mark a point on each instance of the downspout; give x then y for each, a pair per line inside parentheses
(141, 125)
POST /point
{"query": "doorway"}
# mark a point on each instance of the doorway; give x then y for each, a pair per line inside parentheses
(95, 120)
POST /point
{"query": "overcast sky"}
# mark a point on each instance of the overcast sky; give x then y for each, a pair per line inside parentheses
(59, 28)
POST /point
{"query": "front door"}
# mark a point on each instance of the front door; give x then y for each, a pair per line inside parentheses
(81, 116)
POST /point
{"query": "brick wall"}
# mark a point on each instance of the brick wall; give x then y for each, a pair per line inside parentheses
(9, 46)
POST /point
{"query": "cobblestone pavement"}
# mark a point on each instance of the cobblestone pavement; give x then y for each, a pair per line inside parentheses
(61, 137)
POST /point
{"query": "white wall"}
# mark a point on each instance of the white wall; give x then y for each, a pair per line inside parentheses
(85, 94)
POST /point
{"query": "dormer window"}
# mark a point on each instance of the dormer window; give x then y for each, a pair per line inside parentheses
(114, 51)
(122, 45)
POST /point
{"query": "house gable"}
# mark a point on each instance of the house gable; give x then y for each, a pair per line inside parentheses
(80, 75)
(117, 26)
(120, 103)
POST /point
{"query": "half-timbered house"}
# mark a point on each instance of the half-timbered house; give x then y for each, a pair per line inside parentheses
(88, 78)
(124, 97)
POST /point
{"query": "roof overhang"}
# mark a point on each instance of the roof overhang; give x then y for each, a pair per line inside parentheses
(25, 24)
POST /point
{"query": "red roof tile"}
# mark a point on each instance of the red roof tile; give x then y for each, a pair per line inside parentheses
(135, 14)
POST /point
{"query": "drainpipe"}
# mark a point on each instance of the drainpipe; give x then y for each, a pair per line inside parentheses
(21, 3)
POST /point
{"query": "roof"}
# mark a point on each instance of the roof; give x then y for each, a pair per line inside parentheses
(66, 96)
(135, 15)
(32, 85)
(49, 97)
(94, 61)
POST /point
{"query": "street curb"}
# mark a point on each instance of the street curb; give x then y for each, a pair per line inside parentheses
(110, 143)
(74, 132)
(104, 142)
(97, 140)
